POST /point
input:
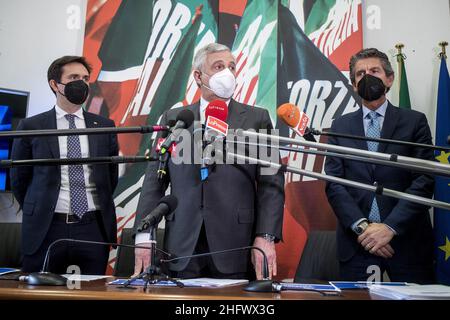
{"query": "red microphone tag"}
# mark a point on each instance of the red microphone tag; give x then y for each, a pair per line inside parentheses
(218, 125)
(302, 124)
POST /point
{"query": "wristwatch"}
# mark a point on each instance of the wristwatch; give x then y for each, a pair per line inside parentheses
(361, 227)
(268, 237)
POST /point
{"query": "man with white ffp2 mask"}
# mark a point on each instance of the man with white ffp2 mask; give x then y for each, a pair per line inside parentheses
(236, 206)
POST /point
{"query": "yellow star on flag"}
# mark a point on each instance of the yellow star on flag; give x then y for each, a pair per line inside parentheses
(446, 248)
(443, 157)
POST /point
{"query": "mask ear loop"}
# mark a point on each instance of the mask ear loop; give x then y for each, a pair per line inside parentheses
(64, 84)
(204, 85)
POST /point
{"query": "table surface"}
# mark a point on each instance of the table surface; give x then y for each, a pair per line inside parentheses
(100, 290)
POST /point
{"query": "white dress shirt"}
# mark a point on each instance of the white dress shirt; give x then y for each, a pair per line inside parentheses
(63, 203)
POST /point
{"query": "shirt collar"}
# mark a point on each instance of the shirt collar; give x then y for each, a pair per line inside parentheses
(60, 113)
(204, 104)
(381, 111)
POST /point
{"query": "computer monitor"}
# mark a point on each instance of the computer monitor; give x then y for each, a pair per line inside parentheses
(17, 103)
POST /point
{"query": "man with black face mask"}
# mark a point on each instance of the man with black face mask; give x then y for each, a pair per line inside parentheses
(380, 233)
(66, 201)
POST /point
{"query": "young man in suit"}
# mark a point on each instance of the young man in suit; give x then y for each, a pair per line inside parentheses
(72, 201)
(237, 206)
(374, 230)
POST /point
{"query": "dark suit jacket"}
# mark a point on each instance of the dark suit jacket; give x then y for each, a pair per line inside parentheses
(37, 188)
(235, 203)
(413, 245)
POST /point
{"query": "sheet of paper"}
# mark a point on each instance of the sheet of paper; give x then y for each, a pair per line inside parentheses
(84, 277)
(412, 292)
(197, 282)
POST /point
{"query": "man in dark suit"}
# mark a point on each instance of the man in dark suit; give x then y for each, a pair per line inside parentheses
(66, 201)
(395, 235)
(236, 206)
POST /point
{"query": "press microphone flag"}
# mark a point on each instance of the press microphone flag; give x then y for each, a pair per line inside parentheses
(297, 120)
(216, 127)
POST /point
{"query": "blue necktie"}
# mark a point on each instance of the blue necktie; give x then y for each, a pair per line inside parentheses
(373, 131)
(78, 198)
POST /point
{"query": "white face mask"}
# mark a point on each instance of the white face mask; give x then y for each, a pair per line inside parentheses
(222, 83)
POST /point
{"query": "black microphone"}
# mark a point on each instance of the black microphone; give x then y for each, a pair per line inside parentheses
(448, 140)
(265, 285)
(309, 135)
(165, 206)
(45, 278)
(184, 120)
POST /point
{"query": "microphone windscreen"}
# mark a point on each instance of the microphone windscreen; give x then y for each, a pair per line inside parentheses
(187, 116)
(170, 124)
(217, 109)
(289, 113)
(171, 201)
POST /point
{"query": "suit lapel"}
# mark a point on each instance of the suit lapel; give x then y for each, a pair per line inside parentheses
(357, 129)
(93, 139)
(236, 115)
(195, 108)
(52, 140)
(389, 124)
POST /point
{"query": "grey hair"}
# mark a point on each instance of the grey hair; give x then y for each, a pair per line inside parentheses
(200, 56)
(370, 53)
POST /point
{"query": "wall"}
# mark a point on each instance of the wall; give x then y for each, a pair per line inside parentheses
(420, 25)
(32, 35)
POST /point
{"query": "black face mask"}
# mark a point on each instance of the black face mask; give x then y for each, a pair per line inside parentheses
(371, 88)
(76, 91)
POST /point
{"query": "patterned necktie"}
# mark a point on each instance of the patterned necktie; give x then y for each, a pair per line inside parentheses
(78, 198)
(373, 131)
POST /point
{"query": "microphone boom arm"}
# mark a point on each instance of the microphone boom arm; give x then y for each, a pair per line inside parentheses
(74, 161)
(378, 189)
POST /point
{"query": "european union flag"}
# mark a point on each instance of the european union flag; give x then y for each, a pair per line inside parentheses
(442, 191)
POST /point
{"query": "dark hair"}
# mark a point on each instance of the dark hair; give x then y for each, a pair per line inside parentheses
(55, 70)
(370, 53)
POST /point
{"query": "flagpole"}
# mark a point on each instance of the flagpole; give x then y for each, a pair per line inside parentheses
(443, 53)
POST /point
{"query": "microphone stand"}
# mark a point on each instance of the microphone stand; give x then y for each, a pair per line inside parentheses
(380, 140)
(153, 274)
(74, 161)
(346, 150)
(264, 285)
(84, 131)
(405, 166)
(376, 188)
(45, 277)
